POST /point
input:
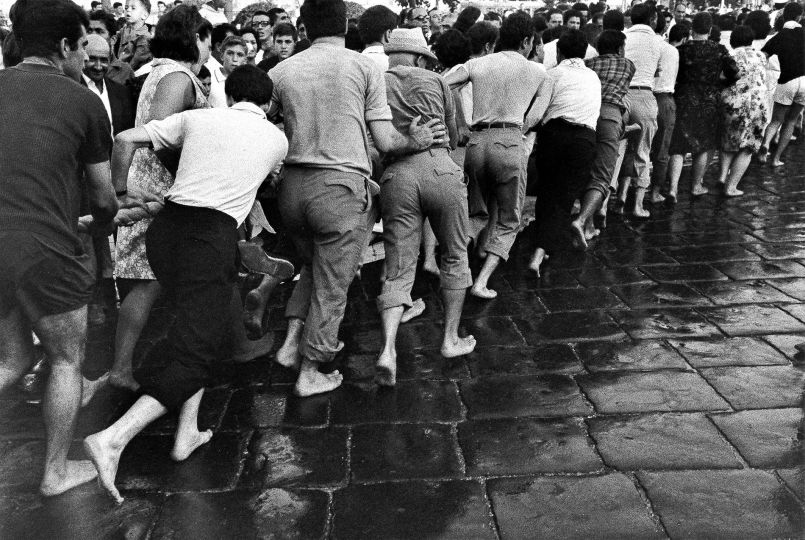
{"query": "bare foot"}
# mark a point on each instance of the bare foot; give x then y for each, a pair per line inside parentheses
(106, 457)
(483, 292)
(182, 448)
(430, 265)
(656, 197)
(386, 368)
(75, 474)
(288, 355)
(579, 239)
(459, 347)
(124, 381)
(733, 193)
(777, 163)
(88, 388)
(416, 309)
(591, 232)
(311, 383)
(536, 261)
(699, 190)
(253, 309)
(641, 213)
(671, 198)
(763, 154)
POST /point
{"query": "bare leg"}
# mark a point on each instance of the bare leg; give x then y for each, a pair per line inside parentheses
(288, 355)
(479, 288)
(739, 165)
(387, 361)
(90, 388)
(785, 133)
(64, 337)
(105, 447)
(583, 228)
(537, 260)
(429, 249)
(254, 307)
(311, 381)
(623, 192)
(777, 118)
(700, 161)
(675, 164)
(638, 210)
(16, 348)
(453, 345)
(188, 437)
(133, 316)
(725, 164)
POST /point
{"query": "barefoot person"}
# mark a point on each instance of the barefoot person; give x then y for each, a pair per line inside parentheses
(420, 185)
(192, 247)
(53, 132)
(504, 85)
(331, 99)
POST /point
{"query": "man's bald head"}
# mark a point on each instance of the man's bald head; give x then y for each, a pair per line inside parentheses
(98, 58)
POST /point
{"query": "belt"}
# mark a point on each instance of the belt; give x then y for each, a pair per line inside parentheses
(494, 125)
(640, 88)
(663, 94)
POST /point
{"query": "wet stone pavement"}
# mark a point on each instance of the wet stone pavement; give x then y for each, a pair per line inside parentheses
(649, 389)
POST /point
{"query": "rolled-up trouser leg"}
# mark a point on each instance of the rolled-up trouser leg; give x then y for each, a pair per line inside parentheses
(643, 111)
(608, 134)
(666, 120)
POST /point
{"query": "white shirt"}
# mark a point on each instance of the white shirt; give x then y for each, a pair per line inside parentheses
(665, 81)
(643, 48)
(226, 155)
(575, 93)
(212, 64)
(103, 94)
(465, 94)
(215, 17)
(217, 97)
(549, 60)
(378, 54)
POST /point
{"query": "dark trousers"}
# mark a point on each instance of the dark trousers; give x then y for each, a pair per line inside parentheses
(193, 252)
(565, 155)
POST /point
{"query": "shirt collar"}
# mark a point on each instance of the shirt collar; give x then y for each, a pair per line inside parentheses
(39, 68)
(250, 107)
(91, 84)
(643, 28)
(791, 25)
(572, 62)
(375, 49)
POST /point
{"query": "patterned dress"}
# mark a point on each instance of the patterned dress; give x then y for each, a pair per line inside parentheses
(148, 174)
(698, 89)
(744, 106)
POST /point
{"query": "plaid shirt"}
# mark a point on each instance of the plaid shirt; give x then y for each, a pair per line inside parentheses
(615, 73)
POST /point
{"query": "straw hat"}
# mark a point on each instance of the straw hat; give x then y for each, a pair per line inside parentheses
(408, 40)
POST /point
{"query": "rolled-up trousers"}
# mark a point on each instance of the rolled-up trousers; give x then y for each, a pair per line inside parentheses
(608, 135)
(666, 120)
(643, 111)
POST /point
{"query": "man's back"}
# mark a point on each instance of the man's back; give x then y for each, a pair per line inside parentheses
(789, 47)
(643, 48)
(416, 92)
(51, 127)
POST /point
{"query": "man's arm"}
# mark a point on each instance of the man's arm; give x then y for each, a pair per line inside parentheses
(390, 141)
(126, 143)
(459, 77)
(102, 200)
(540, 104)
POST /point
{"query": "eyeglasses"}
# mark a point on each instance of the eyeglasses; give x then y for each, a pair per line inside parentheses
(260, 24)
(421, 18)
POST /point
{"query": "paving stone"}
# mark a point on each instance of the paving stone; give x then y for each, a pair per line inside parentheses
(558, 300)
(743, 292)
(568, 327)
(552, 358)
(428, 364)
(274, 513)
(661, 441)
(656, 295)
(739, 351)
(752, 320)
(786, 343)
(413, 335)
(683, 273)
(758, 387)
(272, 407)
(83, 512)
(658, 391)
(629, 356)
(766, 438)
(794, 287)
(702, 238)
(505, 397)
(723, 504)
(548, 507)
(404, 451)
(503, 306)
(409, 401)
(706, 254)
(526, 446)
(661, 323)
(490, 331)
(797, 310)
(634, 257)
(795, 480)
(297, 458)
(761, 269)
(779, 251)
(416, 509)
(605, 277)
(551, 278)
(23, 461)
(781, 235)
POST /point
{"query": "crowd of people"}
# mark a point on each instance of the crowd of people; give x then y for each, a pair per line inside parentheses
(173, 154)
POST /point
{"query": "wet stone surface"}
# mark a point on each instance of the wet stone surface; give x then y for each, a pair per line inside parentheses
(648, 388)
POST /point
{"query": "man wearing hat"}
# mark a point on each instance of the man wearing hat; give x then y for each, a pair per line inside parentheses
(418, 185)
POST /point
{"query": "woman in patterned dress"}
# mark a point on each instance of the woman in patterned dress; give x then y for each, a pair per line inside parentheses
(704, 69)
(744, 111)
(181, 45)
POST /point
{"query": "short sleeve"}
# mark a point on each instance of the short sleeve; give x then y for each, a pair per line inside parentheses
(376, 106)
(97, 145)
(449, 102)
(770, 47)
(167, 133)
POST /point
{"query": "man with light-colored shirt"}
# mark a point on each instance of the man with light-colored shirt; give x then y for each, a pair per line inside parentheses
(374, 27)
(506, 88)
(643, 48)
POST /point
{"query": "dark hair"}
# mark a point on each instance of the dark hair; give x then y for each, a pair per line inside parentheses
(301, 45)
(553, 12)
(481, 34)
(116, 5)
(678, 32)
(94, 4)
(220, 31)
(759, 22)
(715, 34)
(467, 18)
(598, 7)
(452, 48)
(324, 18)
(517, 27)
(580, 6)
(352, 40)
(613, 20)
(492, 16)
(610, 42)
(252, 31)
(791, 11)
(249, 83)
(660, 28)
(540, 24)
(572, 44)
(726, 22)
(299, 22)
(285, 29)
(175, 34)
(203, 73)
(273, 15)
(597, 16)
(702, 23)
(11, 51)
(742, 36)
(107, 19)
(376, 21)
(570, 13)
(552, 34)
(642, 13)
(40, 25)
